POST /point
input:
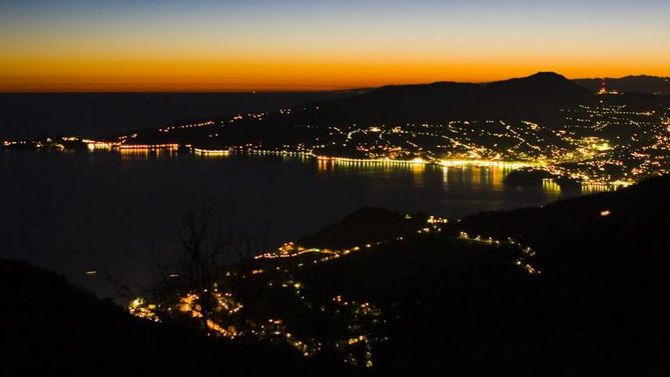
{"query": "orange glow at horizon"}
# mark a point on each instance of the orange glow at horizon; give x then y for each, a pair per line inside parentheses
(90, 75)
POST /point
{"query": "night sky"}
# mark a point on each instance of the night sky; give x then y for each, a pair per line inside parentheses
(208, 45)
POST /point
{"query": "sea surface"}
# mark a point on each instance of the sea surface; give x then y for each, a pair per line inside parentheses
(74, 212)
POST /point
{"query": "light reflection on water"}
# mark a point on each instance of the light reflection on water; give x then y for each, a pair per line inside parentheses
(81, 211)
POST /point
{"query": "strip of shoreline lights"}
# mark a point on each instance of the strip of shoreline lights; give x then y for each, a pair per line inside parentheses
(416, 161)
(444, 163)
(587, 185)
(148, 146)
(489, 163)
(211, 152)
(99, 145)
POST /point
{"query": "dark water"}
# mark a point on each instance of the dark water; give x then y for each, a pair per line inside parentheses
(94, 114)
(74, 212)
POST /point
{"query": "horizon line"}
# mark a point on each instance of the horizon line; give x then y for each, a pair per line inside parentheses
(298, 90)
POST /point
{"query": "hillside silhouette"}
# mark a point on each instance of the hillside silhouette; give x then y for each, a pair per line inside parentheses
(464, 308)
(50, 327)
(510, 99)
(629, 84)
(592, 305)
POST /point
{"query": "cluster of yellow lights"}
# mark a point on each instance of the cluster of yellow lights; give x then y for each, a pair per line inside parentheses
(189, 305)
(100, 145)
(140, 308)
(291, 250)
(437, 220)
(121, 145)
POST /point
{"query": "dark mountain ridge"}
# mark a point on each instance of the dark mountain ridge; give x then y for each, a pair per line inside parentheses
(534, 96)
(629, 84)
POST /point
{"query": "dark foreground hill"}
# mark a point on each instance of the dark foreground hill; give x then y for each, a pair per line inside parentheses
(365, 225)
(466, 308)
(50, 328)
(449, 304)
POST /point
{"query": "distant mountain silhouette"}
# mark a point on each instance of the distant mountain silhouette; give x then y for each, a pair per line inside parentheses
(630, 84)
(518, 98)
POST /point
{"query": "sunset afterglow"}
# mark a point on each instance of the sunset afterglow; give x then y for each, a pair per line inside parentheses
(204, 45)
